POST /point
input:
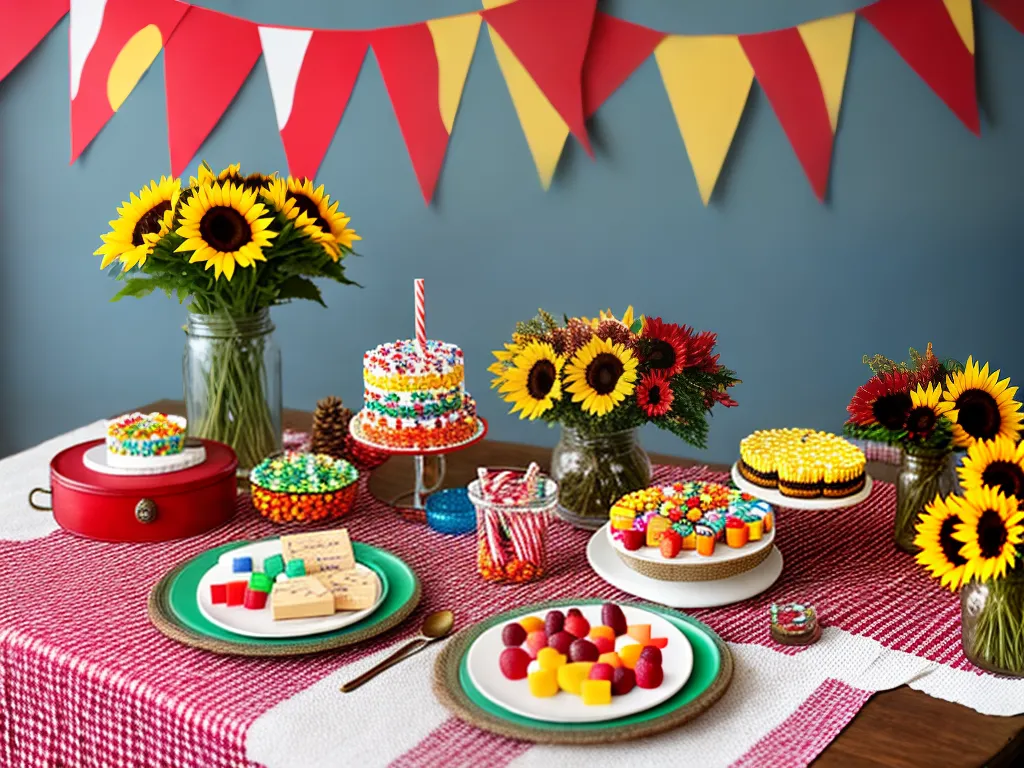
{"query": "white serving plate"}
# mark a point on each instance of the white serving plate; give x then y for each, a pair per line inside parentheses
(723, 552)
(260, 623)
(98, 460)
(681, 594)
(775, 498)
(515, 696)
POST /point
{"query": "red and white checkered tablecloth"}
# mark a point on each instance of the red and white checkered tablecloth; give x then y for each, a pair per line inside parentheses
(85, 680)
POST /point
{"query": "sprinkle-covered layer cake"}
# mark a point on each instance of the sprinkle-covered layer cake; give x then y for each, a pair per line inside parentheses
(146, 435)
(412, 401)
(802, 463)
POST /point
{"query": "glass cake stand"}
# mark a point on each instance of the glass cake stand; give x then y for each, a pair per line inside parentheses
(412, 503)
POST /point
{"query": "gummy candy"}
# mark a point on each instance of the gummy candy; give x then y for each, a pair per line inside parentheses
(629, 654)
(513, 635)
(543, 683)
(532, 624)
(596, 692)
(549, 658)
(514, 663)
(610, 658)
(571, 676)
(640, 632)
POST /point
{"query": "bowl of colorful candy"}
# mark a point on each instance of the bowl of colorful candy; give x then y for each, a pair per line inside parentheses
(303, 487)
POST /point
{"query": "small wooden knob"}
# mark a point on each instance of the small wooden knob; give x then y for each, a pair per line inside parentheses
(145, 511)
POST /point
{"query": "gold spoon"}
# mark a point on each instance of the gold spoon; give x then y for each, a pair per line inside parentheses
(435, 626)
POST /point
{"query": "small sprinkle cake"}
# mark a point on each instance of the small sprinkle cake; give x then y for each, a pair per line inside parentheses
(414, 401)
(143, 435)
(802, 463)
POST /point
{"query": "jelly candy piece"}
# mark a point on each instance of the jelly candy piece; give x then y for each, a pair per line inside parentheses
(601, 631)
(236, 592)
(514, 663)
(648, 674)
(543, 683)
(630, 654)
(218, 593)
(549, 658)
(604, 645)
(601, 672)
(651, 653)
(273, 565)
(632, 540)
(241, 565)
(623, 681)
(658, 642)
(561, 642)
(513, 635)
(622, 518)
(255, 598)
(613, 617)
(577, 626)
(640, 632)
(610, 658)
(571, 676)
(535, 641)
(554, 622)
(657, 526)
(596, 692)
(260, 582)
(583, 650)
(295, 568)
(531, 624)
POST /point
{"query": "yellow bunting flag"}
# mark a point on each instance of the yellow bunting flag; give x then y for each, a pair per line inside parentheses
(828, 42)
(544, 128)
(707, 79)
(962, 14)
(454, 43)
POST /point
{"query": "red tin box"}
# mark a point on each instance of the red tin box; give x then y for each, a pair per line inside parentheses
(162, 507)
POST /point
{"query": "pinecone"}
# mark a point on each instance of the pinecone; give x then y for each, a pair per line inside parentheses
(330, 428)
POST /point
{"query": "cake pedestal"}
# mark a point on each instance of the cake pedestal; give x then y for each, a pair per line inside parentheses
(412, 504)
(821, 503)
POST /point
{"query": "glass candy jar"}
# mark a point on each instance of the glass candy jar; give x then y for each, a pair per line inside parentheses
(512, 539)
(232, 379)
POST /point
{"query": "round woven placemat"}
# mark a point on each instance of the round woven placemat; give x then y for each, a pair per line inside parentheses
(709, 571)
(162, 617)
(449, 691)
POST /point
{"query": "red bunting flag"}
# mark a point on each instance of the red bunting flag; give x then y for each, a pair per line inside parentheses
(299, 63)
(105, 68)
(786, 73)
(615, 51)
(924, 34)
(24, 26)
(1011, 10)
(550, 39)
(205, 63)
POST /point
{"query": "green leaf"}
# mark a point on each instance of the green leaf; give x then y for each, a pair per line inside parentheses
(300, 288)
(136, 287)
(637, 325)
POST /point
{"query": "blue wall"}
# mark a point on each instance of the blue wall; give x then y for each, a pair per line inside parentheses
(922, 237)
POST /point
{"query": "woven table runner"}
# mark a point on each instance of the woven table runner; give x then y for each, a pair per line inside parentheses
(85, 679)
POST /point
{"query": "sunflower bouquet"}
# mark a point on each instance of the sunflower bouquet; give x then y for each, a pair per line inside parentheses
(600, 378)
(232, 245)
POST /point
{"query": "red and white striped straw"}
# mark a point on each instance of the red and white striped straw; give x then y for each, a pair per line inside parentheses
(421, 316)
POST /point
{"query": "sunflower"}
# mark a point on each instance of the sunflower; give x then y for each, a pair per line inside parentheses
(980, 406)
(207, 176)
(606, 314)
(996, 463)
(221, 225)
(142, 221)
(940, 552)
(601, 375)
(533, 381)
(276, 194)
(923, 417)
(654, 395)
(885, 400)
(992, 528)
(666, 346)
(318, 207)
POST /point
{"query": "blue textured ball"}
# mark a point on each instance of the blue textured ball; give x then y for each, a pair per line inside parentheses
(450, 511)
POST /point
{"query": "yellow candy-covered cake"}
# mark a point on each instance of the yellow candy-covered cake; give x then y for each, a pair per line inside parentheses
(802, 463)
(415, 401)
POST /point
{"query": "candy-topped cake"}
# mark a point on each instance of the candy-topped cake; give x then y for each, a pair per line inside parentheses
(803, 463)
(416, 401)
(145, 435)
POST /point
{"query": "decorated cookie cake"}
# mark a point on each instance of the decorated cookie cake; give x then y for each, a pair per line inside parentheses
(802, 463)
(416, 401)
(145, 435)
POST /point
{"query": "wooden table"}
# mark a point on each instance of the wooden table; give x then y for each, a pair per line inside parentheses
(901, 728)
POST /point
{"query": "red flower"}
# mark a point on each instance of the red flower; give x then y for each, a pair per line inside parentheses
(654, 395)
(692, 502)
(883, 400)
(699, 352)
(667, 347)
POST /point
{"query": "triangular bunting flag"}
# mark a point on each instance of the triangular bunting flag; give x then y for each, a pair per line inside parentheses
(299, 62)
(424, 69)
(927, 37)
(205, 63)
(544, 128)
(828, 42)
(550, 38)
(1011, 10)
(784, 69)
(615, 51)
(24, 27)
(708, 80)
(113, 43)
(962, 14)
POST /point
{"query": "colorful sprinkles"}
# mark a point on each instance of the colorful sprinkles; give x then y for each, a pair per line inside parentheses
(303, 487)
(142, 434)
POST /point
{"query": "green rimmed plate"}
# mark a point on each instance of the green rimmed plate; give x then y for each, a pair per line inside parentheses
(173, 608)
(712, 673)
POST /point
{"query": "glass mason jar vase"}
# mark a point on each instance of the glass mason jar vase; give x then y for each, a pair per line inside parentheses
(232, 378)
(594, 470)
(923, 475)
(992, 623)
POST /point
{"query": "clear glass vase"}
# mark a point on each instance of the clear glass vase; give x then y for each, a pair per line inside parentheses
(594, 470)
(992, 623)
(923, 475)
(232, 378)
